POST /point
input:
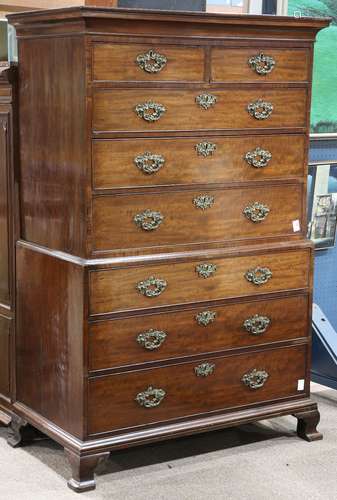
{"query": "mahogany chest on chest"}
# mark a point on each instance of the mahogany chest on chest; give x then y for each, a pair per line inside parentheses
(163, 275)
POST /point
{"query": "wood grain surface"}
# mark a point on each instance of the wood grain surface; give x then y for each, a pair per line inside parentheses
(116, 290)
(114, 160)
(114, 110)
(231, 65)
(114, 343)
(112, 404)
(114, 226)
(117, 62)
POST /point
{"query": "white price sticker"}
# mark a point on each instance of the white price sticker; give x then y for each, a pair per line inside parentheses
(300, 384)
(296, 226)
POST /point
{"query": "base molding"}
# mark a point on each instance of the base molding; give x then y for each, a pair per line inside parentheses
(84, 456)
(168, 430)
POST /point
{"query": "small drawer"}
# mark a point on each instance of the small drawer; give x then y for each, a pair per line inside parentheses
(212, 384)
(147, 63)
(179, 218)
(154, 110)
(150, 162)
(171, 283)
(155, 337)
(260, 65)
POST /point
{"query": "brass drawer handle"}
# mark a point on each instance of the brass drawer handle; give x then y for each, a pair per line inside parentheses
(206, 101)
(151, 61)
(262, 64)
(204, 318)
(256, 212)
(152, 339)
(150, 111)
(260, 110)
(148, 220)
(205, 270)
(149, 163)
(203, 201)
(205, 148)
(151, 287)
(259, 275)
(151, 397)
(204, 369)
(255, 379)
(256, 325)
(258, 158)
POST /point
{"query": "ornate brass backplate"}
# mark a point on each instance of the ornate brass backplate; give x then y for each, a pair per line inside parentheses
(255, 379)
(257, 325)
(206, 269)
(205, 148)
(206, 101)
(150, 111)
(151, 339)
(149, 163)
(204, 318)
(151, 287)
(260, 110)
(151, 397)
(149, 220)
(256, 212)
(203, 201)
(258, 158)
(259, 275)
(151, 61)
(204, 369)
(262, 64)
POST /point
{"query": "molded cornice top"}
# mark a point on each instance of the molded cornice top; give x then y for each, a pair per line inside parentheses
(71, 13)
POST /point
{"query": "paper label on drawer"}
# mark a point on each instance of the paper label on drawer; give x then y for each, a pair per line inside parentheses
(300, 384)
(296, 226)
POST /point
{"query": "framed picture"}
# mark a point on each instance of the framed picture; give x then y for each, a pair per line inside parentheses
(322, 208)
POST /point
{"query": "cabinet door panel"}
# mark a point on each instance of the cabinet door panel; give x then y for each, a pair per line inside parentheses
(5, 326)
(4, 215)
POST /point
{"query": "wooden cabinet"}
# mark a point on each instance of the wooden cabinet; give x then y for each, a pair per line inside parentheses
(163, 276)
(8, 231)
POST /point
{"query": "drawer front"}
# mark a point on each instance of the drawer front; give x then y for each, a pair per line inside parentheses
(151, 162)
(148, 63)
(133, 288)
(124, 400)
(255, 65)
(156, 219)
(124, 110)
(198, 330)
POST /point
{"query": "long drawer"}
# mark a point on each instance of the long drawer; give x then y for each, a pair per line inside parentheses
(148, 286)
(154, 337)
(215, 383)
(156, 219)
(151, 110)
(150, 162)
